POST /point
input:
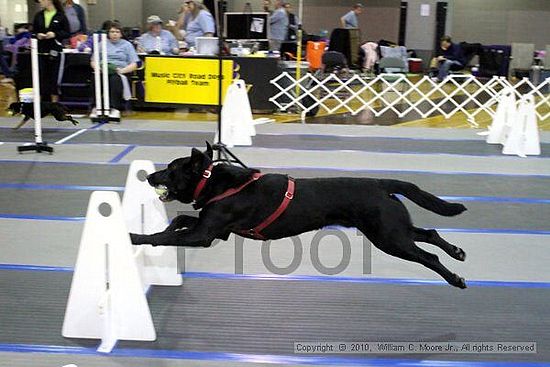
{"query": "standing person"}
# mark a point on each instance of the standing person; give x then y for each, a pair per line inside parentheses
(183, 18)
(121, 59)
(450, 57)
(3, 31)
(76, 17)
(266, 7)
(51, 27)
(351, 18)
(278, 21)
(293, 23)
(200, 22)
(158, 39)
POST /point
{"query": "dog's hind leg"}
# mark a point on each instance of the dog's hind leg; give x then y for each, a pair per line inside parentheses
(411, 252)
(60, 115)
(399, 243)
(21, 123)
(432, 237)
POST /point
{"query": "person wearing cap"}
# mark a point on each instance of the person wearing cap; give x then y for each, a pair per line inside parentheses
(350, 19)
(200, 22)
(157, 40)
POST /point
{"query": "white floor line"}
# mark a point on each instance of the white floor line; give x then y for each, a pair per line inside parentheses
(67, 138)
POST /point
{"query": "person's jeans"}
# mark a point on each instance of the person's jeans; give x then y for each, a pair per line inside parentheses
(5, 67)
(447, 65)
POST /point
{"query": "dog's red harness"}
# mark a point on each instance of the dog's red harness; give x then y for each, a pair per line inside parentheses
(256, 231)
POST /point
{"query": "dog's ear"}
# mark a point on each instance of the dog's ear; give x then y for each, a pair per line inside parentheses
(209, 152)
(197, 159)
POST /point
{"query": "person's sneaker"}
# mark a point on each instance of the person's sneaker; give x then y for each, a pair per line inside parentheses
(6, 80)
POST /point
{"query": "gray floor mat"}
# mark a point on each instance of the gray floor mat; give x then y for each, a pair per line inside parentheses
(27, 134)
(267, 317)
(441, 184)
(479, 214)
(301, 142)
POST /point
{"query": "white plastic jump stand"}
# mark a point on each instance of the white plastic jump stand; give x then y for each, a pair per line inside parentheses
(523, 139)
(145, 214)
(237, 120)
(102, 111)
(106, 300)
(504, 118)
(112, 116)
(39, 145)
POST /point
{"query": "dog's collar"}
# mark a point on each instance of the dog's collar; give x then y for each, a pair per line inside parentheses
(202, 183)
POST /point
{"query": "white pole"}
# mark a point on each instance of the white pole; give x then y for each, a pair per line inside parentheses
(97, 77)
(106, 106)
(36, 91)
(299, 35)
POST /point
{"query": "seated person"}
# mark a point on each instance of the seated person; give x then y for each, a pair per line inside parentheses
(4, 67)
(22, 39)
(88, 45)
(449, 57)
(200, 22)
(122, 59)
(157, 40)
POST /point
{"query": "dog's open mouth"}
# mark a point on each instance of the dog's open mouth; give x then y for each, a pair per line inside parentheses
(163, 193)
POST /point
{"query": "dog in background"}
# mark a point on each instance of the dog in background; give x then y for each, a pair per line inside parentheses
(57, 110)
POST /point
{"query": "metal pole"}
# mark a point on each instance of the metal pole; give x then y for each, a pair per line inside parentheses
(97, 77)
(113, 9)
(106, 106)
(220, 73)
(299, 48)
(36, 91)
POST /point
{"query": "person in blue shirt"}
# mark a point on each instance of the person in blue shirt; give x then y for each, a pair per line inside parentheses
(76, 16)
(200, 22)
(121, 59)
(158, 40)
(449, 57)
(350, 19)
(278, 21)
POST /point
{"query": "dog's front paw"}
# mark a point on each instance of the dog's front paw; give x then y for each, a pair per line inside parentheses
(138, 239)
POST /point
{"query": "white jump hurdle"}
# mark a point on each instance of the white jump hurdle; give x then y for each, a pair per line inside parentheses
(523, 139)
(237, 120)
(504, 117)
(107, 299)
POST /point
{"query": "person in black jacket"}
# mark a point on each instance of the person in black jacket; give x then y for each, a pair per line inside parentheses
(51, 27)
(449, 57)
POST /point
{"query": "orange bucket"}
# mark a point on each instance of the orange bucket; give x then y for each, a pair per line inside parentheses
(314, 54)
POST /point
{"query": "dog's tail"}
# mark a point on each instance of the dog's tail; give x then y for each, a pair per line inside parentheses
(423, 198)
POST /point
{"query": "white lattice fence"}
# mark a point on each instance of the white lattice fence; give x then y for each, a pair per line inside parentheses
(397, 93)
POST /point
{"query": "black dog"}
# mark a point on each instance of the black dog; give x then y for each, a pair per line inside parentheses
(367, 204)
(57, 110)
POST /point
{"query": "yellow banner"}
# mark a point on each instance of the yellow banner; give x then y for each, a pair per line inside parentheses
(185, 80)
